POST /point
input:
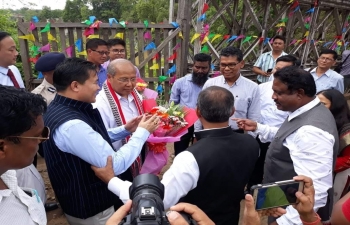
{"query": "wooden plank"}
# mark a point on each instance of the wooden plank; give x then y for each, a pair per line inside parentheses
(71, 39)
(103, 25)
(25, 58)
(141, 52)
(252, 14)
(219, 13)
(313, 23)
(337, 21)
(235, 23)
(63, 41)
(166, 53)
(105, 34)
(54, 44)
(131, 38)
(79, 36)
(198, 27)
(160, 47)
(44, 39)
(158, 42)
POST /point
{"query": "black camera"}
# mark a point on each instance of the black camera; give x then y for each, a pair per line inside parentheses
(147, 193)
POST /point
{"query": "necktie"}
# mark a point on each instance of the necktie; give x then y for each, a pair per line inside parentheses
(13, 78)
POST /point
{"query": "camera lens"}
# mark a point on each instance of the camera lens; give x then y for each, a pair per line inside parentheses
(146, 182)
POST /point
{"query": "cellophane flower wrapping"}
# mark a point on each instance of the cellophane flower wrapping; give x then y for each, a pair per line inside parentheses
(169, 131)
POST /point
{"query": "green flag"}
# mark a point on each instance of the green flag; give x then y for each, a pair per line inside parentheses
(284, 20)
(46, 28)
(205, 49)
(246, 39)
(122, 23)
(307, 26)
(146, 23)
(87, 22)
(34, 50)
(210, 36)
(162, 78)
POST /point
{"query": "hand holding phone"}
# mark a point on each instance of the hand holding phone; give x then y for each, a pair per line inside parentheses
(277, 194)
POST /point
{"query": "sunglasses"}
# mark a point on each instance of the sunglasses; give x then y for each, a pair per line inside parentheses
(43, 137)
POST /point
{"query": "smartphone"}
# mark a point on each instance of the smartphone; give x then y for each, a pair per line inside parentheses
(269, 71)
(277, 194)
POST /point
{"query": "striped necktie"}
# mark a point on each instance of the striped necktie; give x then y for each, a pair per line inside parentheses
(13, 78)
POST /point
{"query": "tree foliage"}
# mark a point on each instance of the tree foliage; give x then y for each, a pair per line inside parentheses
(103, 10)
(72, 11)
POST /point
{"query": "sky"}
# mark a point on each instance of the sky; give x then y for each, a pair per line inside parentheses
(17, 4)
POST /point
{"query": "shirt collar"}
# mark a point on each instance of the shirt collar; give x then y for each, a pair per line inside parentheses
(237, 82)
(303, 109)
(3, 70)
(130, 97)
(10, 179)
(47, 84)
(327, 73)
(283, 53)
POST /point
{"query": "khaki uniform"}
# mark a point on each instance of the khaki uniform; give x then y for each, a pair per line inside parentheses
(47, 90)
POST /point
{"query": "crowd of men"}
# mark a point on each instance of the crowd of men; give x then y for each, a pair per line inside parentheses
(89, 121)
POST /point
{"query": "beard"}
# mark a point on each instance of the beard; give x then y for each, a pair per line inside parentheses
(199, 78)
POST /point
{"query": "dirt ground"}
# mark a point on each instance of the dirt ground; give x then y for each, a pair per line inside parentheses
(56, 217)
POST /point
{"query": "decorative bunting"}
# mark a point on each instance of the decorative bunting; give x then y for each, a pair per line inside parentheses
(233, 37)
(172, 70)
(311, 10)
(154, 67)
(123, 24)
(147, 35)
(162, 78)
(40, 75)
(202, 18)
(306, 33)
(156, 56)
(327, 44)
(205, 40)
(88, 32)
(112, 20)
(216, 37)
(178, 45)
(284, 20)
(87, 22)
(119, 35)
(45, 48)
(35, 19)
(296, 9)
(283, 24)
(175, 25)
(210, 36)
(172, 57)
(267, 40)
(50, 37)
(69, 51)
(172, 79)
(295, 5)
(96, 24)
(195, 36)
(212, 66)
(150, 46)
(248, 38)
(180, 35)
(34, 59)
(160, 89)
(78, 44)
(241, 36)
(92, 18)
(290, 2)
(46, 28)
(293, 42)
(225, 37)
(34, 50)
(307, 19)
(32, 26)
(307, 26)
(146, 23)
(82, 53)
(216, 73)
(205, 49)
(92, 36)
(205, 8)
(29, 37)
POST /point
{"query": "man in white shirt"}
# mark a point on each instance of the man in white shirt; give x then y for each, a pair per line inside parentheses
(213, 172)
(21, 130)
(9, 74)
(326, 78)
(118, 102)
(306, 143)
(270, 115)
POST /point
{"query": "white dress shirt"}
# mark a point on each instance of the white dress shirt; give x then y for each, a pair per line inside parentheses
(29, 177)
(103, 106)
(270, 115)
(311, 150)
(329, 80)
(246, 94)
(5, 79)
(17, 207)
(178, 180)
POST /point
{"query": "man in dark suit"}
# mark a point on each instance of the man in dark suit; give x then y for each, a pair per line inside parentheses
(213, 172)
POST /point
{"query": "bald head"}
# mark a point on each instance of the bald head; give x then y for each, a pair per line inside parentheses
(120, 66)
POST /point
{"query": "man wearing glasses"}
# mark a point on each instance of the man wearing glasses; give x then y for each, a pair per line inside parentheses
(245, 92)
(21, 131)
(325, 77)
(117, 50)
(118, 102)
(97, 53)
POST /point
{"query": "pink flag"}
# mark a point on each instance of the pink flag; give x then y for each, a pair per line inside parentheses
(173, 79)
(293, 42)
(239, 37)
(32, 26)
(307, 19)
(147, 35)
(69, 51)
(290, 14)
(148, 93)
(177, 46)
(45, 48)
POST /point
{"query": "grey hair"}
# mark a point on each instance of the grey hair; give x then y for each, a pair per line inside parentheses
(112, 67)
(215, 104)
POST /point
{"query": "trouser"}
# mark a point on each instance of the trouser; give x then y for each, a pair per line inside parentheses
(184, 142)
(258, 172)
(98, 219)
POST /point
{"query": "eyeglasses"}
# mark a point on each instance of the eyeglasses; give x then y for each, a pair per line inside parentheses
(326, 59)
(126, 80)
(45, 134)
(118, 51)
(100, 52)
(230, 65)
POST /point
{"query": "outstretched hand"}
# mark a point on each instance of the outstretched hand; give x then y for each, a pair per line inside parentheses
(245, 124)
(132, 124)
(150, 124)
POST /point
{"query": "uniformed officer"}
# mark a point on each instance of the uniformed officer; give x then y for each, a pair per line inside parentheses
(46, 64)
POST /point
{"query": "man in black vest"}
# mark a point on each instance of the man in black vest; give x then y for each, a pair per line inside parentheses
(305, 144)
(79, 139)
(213, 172)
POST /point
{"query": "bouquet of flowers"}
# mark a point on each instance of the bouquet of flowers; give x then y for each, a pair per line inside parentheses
(175, 120)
